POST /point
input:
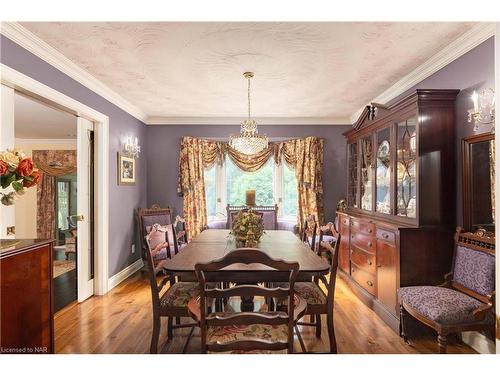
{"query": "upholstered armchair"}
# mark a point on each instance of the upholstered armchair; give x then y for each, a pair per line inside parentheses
(465, 301)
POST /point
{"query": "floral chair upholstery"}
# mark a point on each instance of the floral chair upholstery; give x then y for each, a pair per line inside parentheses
(239, 332)
(464, 302)
(146, 218)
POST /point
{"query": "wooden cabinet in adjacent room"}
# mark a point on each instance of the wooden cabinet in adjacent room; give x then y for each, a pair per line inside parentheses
(26, 297)
(398, 227)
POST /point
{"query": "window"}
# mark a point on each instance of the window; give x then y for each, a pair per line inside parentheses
(273, 185)
(238, 182)
(290, 194)
(210, 192)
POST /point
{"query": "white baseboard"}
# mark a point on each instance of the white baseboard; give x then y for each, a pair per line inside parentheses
(479, 342)
(124, 273)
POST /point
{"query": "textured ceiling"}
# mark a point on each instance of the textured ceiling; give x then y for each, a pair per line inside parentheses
(301, 69)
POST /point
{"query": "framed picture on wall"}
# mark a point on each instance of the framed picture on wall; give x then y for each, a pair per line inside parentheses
(126, 170)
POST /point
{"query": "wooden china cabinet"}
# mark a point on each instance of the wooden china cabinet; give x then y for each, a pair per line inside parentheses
(398, 227)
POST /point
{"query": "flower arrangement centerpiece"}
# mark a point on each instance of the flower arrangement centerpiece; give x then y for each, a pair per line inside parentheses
(16, 171)
(247, 229)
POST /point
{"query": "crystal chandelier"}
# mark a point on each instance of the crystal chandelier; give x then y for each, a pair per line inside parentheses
(248, 142)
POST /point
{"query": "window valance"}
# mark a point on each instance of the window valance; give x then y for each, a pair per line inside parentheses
(304, 156)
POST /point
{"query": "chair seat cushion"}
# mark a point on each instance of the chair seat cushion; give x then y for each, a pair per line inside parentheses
(252, 332)
(179, 294)
(441, 305)
(328, 238)
(309, 291)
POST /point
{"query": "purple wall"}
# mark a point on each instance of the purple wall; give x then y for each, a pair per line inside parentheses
(122, 199)
(472, 71)
(162, 145)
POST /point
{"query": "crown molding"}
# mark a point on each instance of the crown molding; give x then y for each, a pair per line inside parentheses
(52, 141)
(29, 41)
(262, 121)
(460, 46)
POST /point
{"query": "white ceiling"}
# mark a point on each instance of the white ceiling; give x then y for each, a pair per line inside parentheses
(34, 120)
(321, 70)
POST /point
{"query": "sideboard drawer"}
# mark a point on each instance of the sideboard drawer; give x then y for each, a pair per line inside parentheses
(386, 235)
(363, 226)
(344, 221)
(366, 280)
(363, 260)
(363, 241)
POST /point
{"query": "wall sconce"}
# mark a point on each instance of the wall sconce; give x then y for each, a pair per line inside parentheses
(484, 107)
(132, 147)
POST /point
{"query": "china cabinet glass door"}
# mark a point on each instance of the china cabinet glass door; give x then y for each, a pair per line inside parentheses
(366, 189)
(406, 179)
(383, 172)
(352, 194)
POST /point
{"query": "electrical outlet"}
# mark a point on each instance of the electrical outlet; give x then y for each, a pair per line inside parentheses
(133, 248)
(11, 231)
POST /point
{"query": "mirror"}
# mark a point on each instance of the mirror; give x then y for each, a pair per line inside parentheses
(479, 182)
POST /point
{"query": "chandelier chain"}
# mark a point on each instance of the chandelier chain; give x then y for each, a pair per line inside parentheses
(248, 91)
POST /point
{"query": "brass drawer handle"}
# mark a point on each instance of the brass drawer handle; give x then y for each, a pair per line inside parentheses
(369, 230)
(370, 263)
(352, 237)
(352, 269)
(385, 235)
(369, 283)
(370, 244)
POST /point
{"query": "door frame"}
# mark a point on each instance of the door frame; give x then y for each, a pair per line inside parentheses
(29, 86)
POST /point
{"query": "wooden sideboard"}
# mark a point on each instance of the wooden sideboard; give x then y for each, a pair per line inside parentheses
(26, 320)
(399, 223)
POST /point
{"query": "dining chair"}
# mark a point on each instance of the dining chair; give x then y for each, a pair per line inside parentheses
(172, 302)
(309, 232)
(269, 215)
(326, 236)
(229, 331)
(146, 218)
(318, 302)
(465, 301)
(181, 232)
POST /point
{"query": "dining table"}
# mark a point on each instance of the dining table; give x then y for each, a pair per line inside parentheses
(213, 244)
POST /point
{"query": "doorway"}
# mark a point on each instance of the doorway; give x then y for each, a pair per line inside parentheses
(60, 207)
(13, 82)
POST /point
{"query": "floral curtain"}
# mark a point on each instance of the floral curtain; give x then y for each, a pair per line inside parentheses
(308, 158)
(305, 156)
(191, 185)
(52, 163)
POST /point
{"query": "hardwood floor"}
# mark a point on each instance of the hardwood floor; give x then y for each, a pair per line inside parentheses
(121, 322)
(64, 286)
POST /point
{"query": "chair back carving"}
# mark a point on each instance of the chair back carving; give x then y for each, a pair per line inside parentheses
(247, 256)
(473, 271)
(269, 215)
(309, 231)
